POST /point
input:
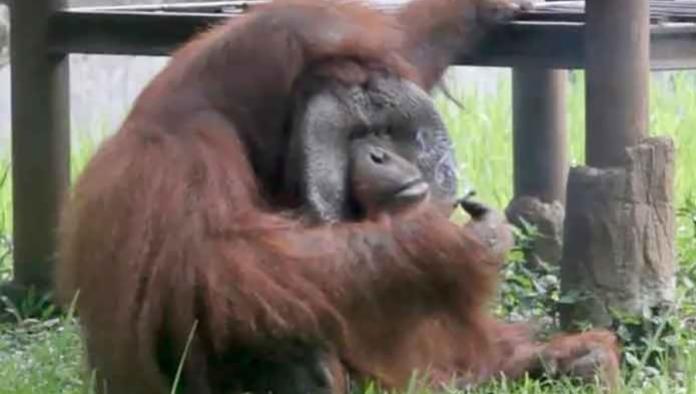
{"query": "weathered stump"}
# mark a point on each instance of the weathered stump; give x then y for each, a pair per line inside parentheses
(619, 237)
(547, 245)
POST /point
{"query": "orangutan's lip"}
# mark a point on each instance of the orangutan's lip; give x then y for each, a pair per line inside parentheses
(412, 189)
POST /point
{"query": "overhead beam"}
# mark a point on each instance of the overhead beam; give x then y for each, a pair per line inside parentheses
(553, 45)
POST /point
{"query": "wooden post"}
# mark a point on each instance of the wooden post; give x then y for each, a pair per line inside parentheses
(540, 159)
(540, 133)
(40, 140)
(617, 78)
(540, 162)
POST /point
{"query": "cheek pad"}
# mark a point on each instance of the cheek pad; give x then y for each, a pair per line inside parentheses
(317, 163)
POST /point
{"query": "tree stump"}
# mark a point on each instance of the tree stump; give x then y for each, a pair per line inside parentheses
(619, 237)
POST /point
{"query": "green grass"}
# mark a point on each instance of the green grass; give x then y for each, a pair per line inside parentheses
(482, 132)
(44, 356)
(40, 358)
(5, 217)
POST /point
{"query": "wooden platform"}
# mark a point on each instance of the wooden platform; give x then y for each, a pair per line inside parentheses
(661, 11)
(552, 35)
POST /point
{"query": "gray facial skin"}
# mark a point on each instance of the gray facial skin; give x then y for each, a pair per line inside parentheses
(395, 112)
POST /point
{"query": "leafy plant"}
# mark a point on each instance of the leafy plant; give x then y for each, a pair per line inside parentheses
(33, 305)
(528, 291)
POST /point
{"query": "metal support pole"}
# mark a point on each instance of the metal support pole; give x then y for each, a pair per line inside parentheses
(618, 69)
(540, 133)
(40, 140)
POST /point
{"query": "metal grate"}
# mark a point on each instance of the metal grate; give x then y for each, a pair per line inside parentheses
(213, 7)
(558, 11)
(661, 11)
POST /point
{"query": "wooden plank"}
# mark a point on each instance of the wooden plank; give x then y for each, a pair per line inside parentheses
(187, 7)
(126, 33)
(673, 47)
(40, 140)
(530, 44)
(558, 11)
(526, 44)
(561, 45)
(660, 10)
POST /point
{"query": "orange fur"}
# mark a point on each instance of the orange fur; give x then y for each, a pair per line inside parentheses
(174, 222)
